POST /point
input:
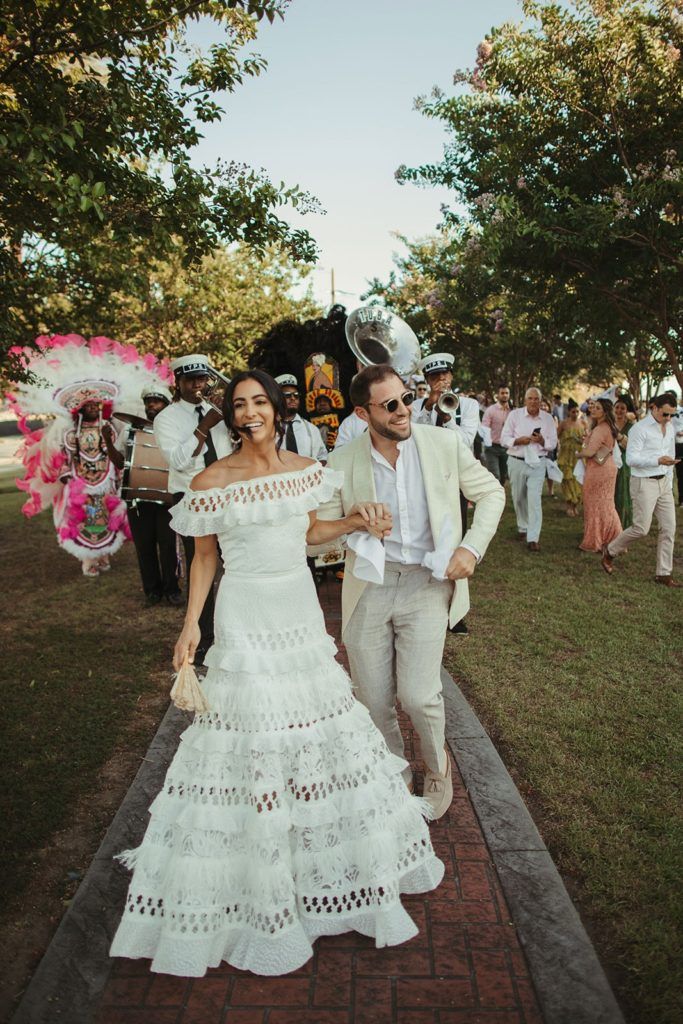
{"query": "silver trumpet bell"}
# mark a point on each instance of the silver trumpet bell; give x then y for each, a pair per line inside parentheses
(448, 403)
(376, 335)
(216, 389)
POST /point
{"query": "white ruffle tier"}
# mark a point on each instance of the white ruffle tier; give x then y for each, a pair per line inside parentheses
(266, 500)
(283, 817)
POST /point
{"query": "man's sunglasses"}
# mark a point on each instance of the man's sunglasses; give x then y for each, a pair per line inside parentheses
(392, 404)
(291, 394)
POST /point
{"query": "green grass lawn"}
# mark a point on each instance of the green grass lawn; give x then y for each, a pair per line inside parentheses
(80, 657)
(577, 677)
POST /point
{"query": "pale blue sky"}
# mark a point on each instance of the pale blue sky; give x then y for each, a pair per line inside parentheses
(334, 114)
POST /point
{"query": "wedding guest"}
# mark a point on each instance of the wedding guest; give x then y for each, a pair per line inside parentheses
(600, 518)
(624, 417)
(677, 421)
(550, 484)
(570, 435)
(528, 435)
(650, 452)
(494, 418)
(559, 410)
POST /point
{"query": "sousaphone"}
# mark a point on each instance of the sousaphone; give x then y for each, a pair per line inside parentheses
(376, 335)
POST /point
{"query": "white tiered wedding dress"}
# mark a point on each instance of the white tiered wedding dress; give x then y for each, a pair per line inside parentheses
(283, 815)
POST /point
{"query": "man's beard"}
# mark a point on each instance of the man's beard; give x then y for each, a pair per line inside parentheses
(391, 435)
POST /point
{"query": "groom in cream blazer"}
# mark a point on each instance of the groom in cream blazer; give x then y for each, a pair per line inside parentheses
(394, 631)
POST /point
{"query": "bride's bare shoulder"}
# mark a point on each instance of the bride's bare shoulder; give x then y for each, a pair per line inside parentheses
(219, 474)
(291, 461)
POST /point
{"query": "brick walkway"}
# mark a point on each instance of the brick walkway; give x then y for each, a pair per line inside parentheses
(464, 967)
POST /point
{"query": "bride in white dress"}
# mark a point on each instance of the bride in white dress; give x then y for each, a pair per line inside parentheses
(283, 815)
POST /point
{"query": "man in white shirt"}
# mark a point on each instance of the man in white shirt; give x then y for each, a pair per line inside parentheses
(300, 435)
(394, 631)
(529, 435)
(651, 454)
(350, 428)
(192, 434)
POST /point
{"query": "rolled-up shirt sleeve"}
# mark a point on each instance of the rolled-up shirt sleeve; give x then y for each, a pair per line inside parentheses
(178, 451)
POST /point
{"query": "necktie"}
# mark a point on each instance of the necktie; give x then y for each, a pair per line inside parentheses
(290, 440)
(210, 453)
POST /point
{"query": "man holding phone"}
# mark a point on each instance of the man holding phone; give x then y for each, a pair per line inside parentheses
(529, 435)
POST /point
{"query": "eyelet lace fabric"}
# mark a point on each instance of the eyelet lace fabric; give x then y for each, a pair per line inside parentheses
(283, 815)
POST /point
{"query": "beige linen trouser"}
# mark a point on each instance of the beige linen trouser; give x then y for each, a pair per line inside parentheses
(395, 642)
(651, 497)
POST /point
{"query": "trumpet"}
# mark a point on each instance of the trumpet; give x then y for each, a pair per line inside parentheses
(217, 381)
(448, 403)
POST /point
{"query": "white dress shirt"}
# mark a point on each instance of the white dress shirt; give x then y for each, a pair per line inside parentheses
(467, 413)
(174, 429)
(402, 489)
(520, 424)
(353, 426)
(646, 443)
(309, 441)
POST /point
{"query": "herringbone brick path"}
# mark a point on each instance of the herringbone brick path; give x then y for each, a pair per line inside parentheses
(464, 967)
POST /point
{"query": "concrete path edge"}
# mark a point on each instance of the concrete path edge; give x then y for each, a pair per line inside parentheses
(571, 985)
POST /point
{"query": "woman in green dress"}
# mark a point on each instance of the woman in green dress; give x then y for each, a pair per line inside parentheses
(570, 435)
(624, 417)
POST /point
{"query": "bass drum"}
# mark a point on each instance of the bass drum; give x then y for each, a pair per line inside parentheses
(145, 470)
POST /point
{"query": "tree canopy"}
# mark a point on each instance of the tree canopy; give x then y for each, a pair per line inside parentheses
(564, 153)
(100, 108)
(219, 305)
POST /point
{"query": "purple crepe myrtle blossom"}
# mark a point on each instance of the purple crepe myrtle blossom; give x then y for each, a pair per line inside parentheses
(485, 201)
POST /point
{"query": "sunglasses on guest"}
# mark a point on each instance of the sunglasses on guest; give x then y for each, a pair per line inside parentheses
(392, 404)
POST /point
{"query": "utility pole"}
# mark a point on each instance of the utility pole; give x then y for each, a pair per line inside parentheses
(332, 288)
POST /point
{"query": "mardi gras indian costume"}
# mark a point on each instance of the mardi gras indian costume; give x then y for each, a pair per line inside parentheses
(81, 386)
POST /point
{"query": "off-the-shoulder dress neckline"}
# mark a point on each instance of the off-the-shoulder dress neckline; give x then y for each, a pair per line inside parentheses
(254, 479)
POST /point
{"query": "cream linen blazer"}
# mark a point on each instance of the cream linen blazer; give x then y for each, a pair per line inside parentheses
(448, 467)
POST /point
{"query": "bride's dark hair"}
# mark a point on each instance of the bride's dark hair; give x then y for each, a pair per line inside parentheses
(274, 395)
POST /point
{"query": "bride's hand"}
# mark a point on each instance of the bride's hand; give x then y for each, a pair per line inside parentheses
(187, 644)
(381, 527)
(371, 512)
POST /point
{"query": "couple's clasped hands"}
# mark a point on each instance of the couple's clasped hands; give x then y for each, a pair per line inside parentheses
(374, 517)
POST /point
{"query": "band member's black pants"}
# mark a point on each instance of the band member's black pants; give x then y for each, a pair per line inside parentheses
(155, 545)
(207, 616)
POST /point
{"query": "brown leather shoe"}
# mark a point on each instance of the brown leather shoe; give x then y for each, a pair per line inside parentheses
(668, 581)
(521, 534)
(533, 545)
(607, 561)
